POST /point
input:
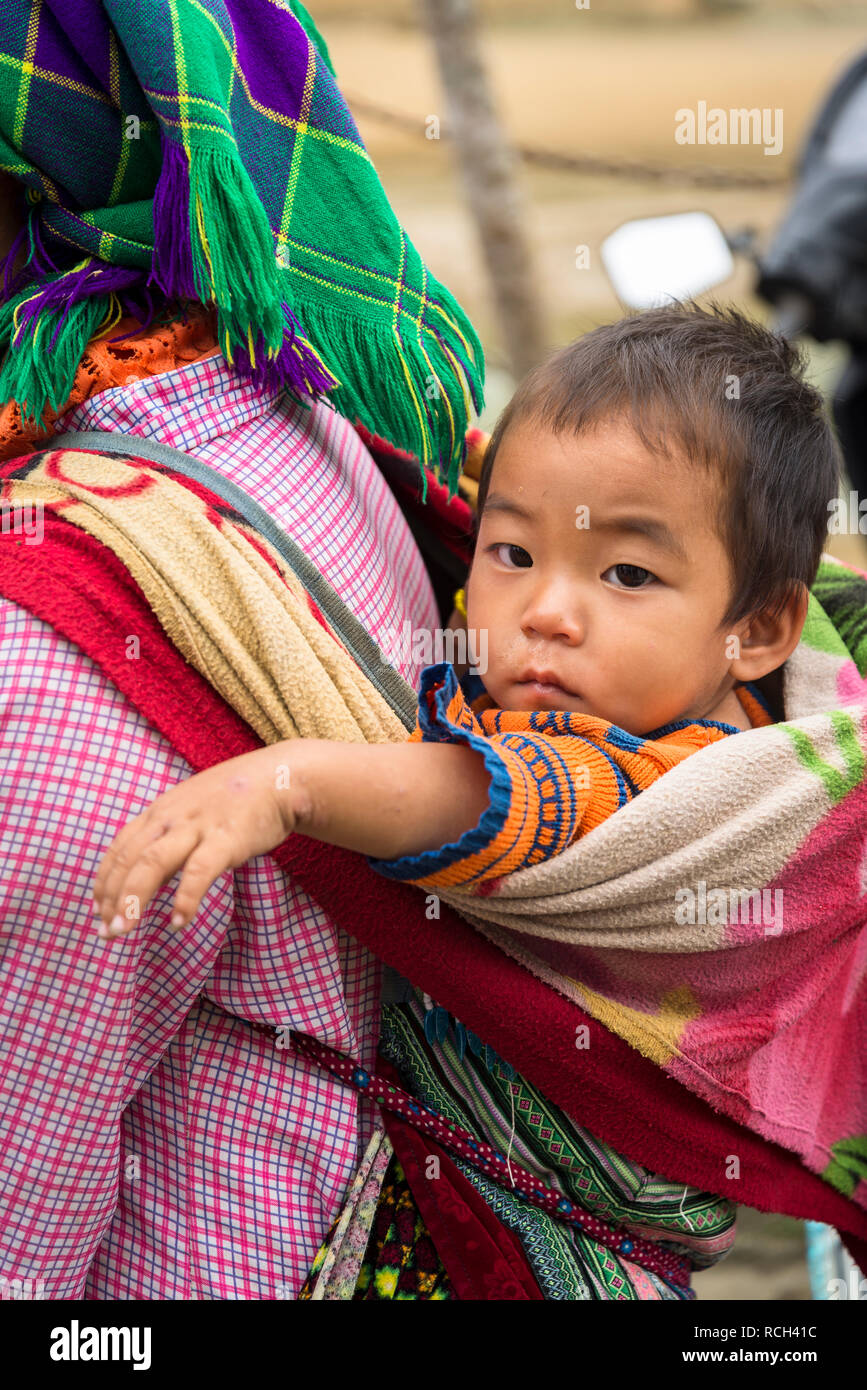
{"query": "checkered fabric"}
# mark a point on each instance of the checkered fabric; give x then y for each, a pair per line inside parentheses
(152, 1146)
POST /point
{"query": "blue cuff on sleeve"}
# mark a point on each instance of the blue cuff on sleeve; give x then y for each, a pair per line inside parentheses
(441, 681)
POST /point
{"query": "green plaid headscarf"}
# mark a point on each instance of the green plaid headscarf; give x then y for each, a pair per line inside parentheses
(202, 146)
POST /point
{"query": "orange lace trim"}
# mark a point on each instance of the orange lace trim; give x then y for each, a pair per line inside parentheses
(109, 363)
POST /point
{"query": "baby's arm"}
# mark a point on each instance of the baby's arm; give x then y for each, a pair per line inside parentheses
(366, 796)
(383, 800)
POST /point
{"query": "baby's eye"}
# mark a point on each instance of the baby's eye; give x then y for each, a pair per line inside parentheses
(513, 556)
(628, 576)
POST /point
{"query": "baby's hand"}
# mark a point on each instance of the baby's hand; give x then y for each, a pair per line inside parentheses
(207, 824)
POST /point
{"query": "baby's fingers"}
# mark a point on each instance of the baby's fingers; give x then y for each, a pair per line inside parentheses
(124, 850)
(113, 861)
(141, 864)
(211, 857)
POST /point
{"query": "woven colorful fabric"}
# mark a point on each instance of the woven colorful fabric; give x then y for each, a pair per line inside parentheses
(401, 1261)
(163, 531)
(508, 1112)
(398, 1259)
(443, 1123)
(109, 362)
(203, 147)
(334, 1272)
(554, 776)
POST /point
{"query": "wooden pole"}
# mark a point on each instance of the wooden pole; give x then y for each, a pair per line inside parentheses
(488, 169)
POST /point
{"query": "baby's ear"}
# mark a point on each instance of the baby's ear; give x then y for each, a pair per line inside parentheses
(767, 638)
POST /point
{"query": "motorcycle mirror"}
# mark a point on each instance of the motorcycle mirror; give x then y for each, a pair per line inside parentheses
(655, 259)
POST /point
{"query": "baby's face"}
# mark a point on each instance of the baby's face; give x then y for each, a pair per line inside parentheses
(601, 579)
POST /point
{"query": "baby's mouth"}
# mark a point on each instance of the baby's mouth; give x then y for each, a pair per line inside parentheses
(542, 683)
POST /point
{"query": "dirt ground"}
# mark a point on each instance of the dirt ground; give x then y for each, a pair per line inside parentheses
(767, 1262)
(605, 81)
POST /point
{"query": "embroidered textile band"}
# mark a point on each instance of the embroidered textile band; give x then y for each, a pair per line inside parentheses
(673, 1268)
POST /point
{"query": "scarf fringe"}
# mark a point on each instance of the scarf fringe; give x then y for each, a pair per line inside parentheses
(296, 366)
(403, 389)
(45, 329)
(212, 242)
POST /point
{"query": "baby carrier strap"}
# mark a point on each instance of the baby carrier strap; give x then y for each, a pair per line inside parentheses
(352, 633)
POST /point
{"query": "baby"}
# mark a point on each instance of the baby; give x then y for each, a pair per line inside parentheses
(651, 513)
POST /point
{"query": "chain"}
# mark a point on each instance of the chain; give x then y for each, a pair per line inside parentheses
(702, 176)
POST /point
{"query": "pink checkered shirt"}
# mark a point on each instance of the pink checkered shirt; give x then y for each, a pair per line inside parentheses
(151, 1146)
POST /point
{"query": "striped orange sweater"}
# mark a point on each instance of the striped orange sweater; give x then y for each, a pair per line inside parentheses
(554, 776)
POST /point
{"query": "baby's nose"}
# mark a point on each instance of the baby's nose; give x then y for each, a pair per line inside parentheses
(554, 621)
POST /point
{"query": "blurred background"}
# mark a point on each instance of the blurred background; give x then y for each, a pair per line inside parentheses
(579, 138)
(597, 84)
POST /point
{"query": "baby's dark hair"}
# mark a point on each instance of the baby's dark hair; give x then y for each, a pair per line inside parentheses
(732, 396)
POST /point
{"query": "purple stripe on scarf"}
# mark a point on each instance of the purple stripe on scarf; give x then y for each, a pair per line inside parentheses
(273, 54)
(73, 38)
(59, 296)
(173, 254)
(295, 367)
